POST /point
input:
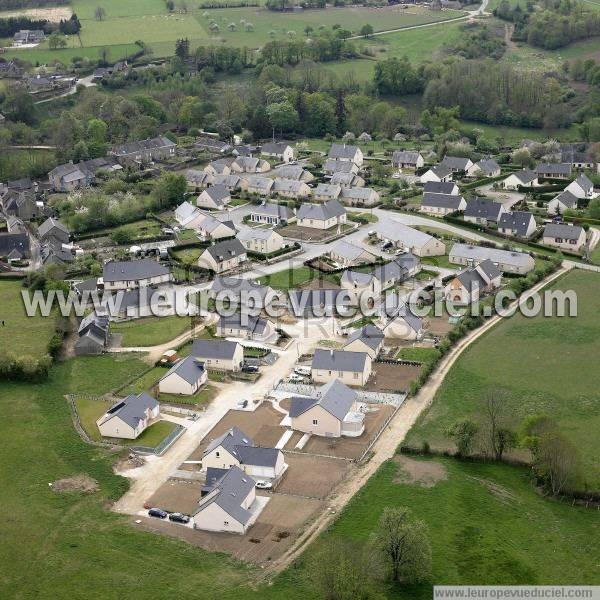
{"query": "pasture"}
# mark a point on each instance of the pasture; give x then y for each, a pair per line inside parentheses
(549, 369)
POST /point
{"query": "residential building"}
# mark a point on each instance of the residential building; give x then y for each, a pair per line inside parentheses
(407, 159)
(359, 285)
(333, 411)
(249, 164)
(566, 237)
(441, 204)
(127, 275)
(554, 170)
(261, 241)
(482, 211)
(457, 164)
(272, 214)
(228, 502)
(219, 355)
(517, 223)
(26, 36)
(53, 229)
(581, 188)
(470, 284)
(351, 368)
(223, 256)
(213, 145)
(280, 150)
(441, 187)
(486, 167)
(507, 261)
(21, 204)
(144, 151)
(93, 335)
(220, 166)
(578, 156)
(259, 185)
(185, 212)
(10, 69)
(566, 200)
(198, 180)
(417, 242)
(245, 326)
(243, 292)
(69, 177)
(231, 182)
(347, 254)
(295, 172)
(523, 178)
(367, 339)
(185, 377)
(14, 246)
(347, 180)
(236, 449)
(346, 153)
(332, 166)
(326, 191)
(397, 271)
(359, 196)
(130, 417)
(437, 174)
(322, 216)
(290, 188)
(216, 197)
(402, 323)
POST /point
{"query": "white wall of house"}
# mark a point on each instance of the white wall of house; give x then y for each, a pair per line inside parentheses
(564, 244)
(355, 378)
(318, 421)
(175, 384)
(221, 364)
(320, 224)
(132, 284)
(214, 518)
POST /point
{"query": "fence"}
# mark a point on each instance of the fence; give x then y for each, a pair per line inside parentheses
(303, 389)
(164, 445)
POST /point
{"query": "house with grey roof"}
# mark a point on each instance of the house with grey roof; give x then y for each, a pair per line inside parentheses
(93, 335)
(14, 246)
(219, 355)
(243, 292)
(228, 503)
(441, 187)
(15, 225)
(507, 261)
(236, 449)
(359, 196)
(332, 411)
(322, 216)
(144, 151)
(212, 145)
(578, 156)
(185, 377)
(457, 163)
(368, 338)
(523, 178)
(272, 214)
(347, 180)
(441, 204)
(295, 172)
(223, 256)
(72, 176)
(231, 181)
(326, 191)
(417, 242)
(566, 200)
(249, 164)
(482, 211)
(246, 326)
(565, 237)
(220, 166)
(131, 274)
(290, 188)
(554, 170)
(347, 254)
(469, 285)
(486, 167)
(261, 241)
(259, 185)
(28, 36)
(582, 187)
(351, 368)
(437, 173)
(129, 417)
(397, 271)
(400, 322)
(517, 223)
(53, 229)
(358, 285)
(215, 197)
(198, 180)
(346, 153)
(279, 150)
(332, 166)
(407, 159)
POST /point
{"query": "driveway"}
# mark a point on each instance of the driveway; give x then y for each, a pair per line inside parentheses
(506, 198)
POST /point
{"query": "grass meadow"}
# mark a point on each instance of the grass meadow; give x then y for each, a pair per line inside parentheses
(541, 364)
(150, 331)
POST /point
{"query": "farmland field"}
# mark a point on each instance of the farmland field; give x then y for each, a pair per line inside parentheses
(548, 370)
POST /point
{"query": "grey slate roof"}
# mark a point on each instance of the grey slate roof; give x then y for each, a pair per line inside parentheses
(218, 193)
(356, 278)
(295, 172)
(274, 147)
(226, 249)
(10, 242)
(369, 334)
(292, 186)
(338, 166)
(525, 176)
(405, 157)
(271, 209)
(253, 324)
(489, 268)
(358, 193)
(343, 179)
(334, 397)
(520, 259)
(327, 189)
(488, 166)
(133, 270)
(321, 212)
(242, 447)
(451, 201)
(585, 183)
(342, 151)
(404, 312)
(188, 368)
(455, 162)
(550, 169)
(339, 360)
(141, 145)
(517, 220)
(439, 187)
(218, 349)
(483, 208)
(348, 250)
(50, 224)
(560, 230)
(567, 198)
(228, 493)
(393, 270)
(237, 286)
(132, 409)
(441, 171)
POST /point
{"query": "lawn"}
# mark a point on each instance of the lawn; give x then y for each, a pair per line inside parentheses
(19, 334)
(542, 365)
(145, 382)
(150, 331)
(189, 256)
(203, 397)
(154, 435)
(439, 261)
(423, 355)
(289, 279)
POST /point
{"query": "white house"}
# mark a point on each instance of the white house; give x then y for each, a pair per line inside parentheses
(322, 216)
(219, 355)
(441, 187)
(272, 214)
(441, 204)
(223, 256)
(261, 241)
(581, 188)
(185, 377)
(437, 174)
(246, 326)
(486, 167)
(469, 284)
(507, 261)
(280, 150)
(346, 153)
(407, 159)
(561, 202)
(359, 285)
(351, 368)
(350, 255)
(457, 163)
(359, 196)
(290, 188)
(367, 339)
(326, 191)
(524, 178)
(130, 417)
(216, 197)
(517, 223)
(482, 211)
(565, 237)
(417, 242)
(127, 275)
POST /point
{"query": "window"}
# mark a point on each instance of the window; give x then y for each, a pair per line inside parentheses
(226, 523)
(315, 422)
(355, 375)
(217, 454)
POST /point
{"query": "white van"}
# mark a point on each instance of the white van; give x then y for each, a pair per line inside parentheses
(303, 371)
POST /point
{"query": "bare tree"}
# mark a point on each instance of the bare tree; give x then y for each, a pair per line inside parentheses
(403, 545)
(100, 13)
(557, 462)
(497, 436)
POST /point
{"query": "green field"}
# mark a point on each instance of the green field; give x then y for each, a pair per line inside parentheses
(543, 365)
(20, 334)
(150, 331)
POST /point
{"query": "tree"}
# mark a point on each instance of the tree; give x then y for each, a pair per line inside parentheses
(57, 41)
(498, 437)
(169, 190)
(366, 30)
(403, 546)
(463, 433)
(308, 30)
(182, 48)
(282, 116)
(558, 462)
(100, 13)
(594, 208)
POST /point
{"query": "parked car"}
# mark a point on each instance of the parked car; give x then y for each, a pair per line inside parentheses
(158, 513)
(295, 378)
(249, 369)
(302, 371)
(242, 403)
(179, 518)
(401, 251)
(371, 233)
(386, 245)
(264, 485)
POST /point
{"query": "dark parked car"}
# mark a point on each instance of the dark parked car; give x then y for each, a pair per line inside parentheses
(179, 518)
(158, 513)
(249, 369)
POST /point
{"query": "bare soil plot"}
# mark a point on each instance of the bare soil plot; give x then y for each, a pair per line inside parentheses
(306, 234)
(392, 377)
(273, 532)
(262, 425)
(439, 325)
(351, 448)
(312, 476)
(425, 473)
(176, 495)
